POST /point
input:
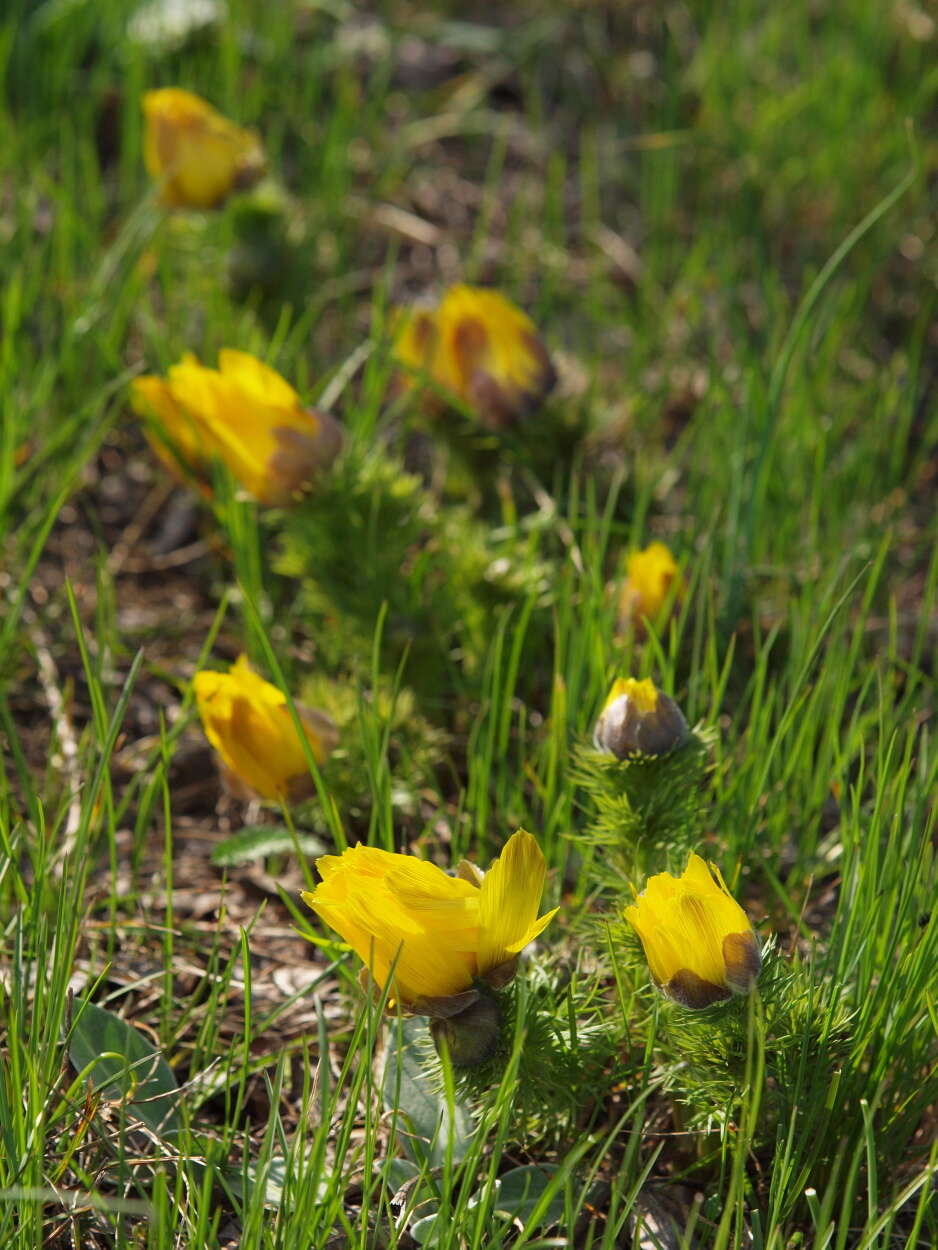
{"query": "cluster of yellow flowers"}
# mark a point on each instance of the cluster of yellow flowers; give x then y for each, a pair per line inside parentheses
(431, 942)
(474, 348)
(698, 941)
(429, 939)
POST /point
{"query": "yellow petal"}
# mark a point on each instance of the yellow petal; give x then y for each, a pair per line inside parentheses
(358, 898)
(509, 899)
(177, 437)
(248, 417)
(257, 380)
(410, 921)
(479, 346)
(643, 694)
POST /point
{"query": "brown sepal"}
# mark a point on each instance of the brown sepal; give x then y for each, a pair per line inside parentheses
(743, 961)
(692, 991)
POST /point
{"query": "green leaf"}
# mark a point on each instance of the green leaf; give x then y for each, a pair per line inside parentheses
(400, 1172)
(124, 1067)
(424, 1230)
(256, 841)
(517, 1194)
(270, 1179)
(431, 1126)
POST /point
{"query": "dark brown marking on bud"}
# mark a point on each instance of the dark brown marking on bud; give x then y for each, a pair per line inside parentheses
(496, 405)
(250, 169)
(500, 405)
(424, 331)
(500, 976)
(300, 456)
(445, 1007)
(743, 961)
(692, 991)
(546, 373)
(470, 345)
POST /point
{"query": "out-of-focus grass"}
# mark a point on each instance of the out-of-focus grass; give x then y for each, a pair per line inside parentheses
(659, 185)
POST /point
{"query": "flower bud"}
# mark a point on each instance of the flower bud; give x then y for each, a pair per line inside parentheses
(246, 415)
(195, 153)
(637, 719)
(248, 722)
(476, 344)
(698, 941)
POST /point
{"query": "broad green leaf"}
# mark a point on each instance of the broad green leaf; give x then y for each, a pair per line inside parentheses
(518, 1192)
(399, 1172)
(408, 1088)
(124, 1066)
(424, 1230)
(271, 1178)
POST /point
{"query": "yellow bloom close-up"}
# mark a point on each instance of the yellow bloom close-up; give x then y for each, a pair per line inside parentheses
(248, 722)
(698, 941)
(438, 933)
(480, 347)
(647, 589)
(195, 153)
(246, 415)
(639, 719)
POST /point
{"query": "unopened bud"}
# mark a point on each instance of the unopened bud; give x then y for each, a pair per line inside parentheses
(638, 719)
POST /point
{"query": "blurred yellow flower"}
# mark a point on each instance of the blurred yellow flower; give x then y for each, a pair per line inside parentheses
(638, 719)
(476, 344)
(247, 416)
(247, 721)
(698, 941)
(443, 932)
(195, 153)
(649, 576)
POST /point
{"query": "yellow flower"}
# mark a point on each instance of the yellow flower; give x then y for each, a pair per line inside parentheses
(649, 576)
(247, 721)
(439, 933)
(638, 719)
(478, 345)
(698, 941)
(247, 416)
(195, 153)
